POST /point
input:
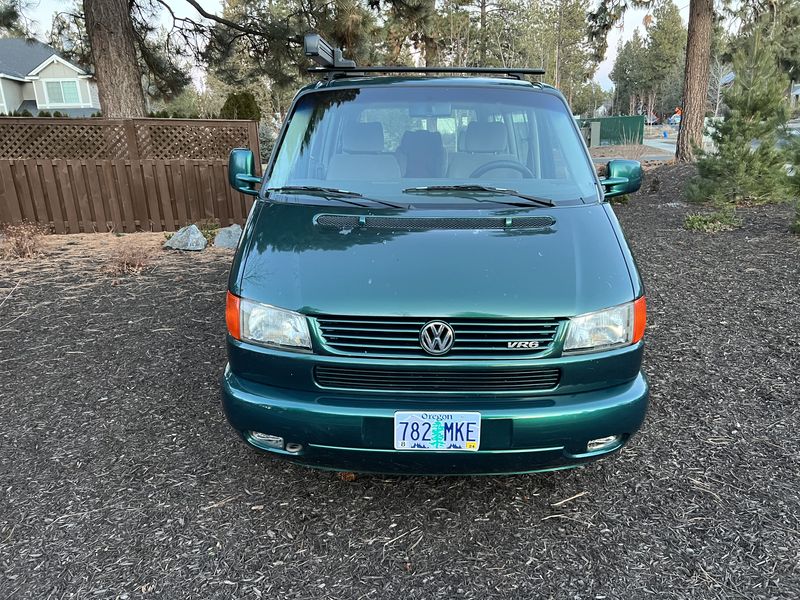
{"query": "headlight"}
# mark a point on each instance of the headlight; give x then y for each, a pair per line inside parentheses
(264, 324)
(605, 329)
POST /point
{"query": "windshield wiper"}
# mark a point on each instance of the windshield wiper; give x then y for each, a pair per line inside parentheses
(330, 193)
(482, 189)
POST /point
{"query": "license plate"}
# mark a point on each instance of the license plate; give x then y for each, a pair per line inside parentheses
(422, 430)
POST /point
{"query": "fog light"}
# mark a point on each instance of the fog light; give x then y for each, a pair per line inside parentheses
(264, 439)
(602, 443)
(294, 448)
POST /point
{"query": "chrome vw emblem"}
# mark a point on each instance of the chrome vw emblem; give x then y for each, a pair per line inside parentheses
(436, 338)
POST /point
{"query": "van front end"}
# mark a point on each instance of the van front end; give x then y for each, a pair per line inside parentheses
(431, 282)
(432, 352)
(282, 403)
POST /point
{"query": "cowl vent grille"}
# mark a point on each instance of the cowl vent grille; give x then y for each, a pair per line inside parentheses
(432, 223)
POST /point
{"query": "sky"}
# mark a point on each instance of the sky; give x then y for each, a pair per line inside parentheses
(42, 11)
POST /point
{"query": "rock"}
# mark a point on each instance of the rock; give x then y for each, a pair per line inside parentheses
(187, 238)
(228, 237)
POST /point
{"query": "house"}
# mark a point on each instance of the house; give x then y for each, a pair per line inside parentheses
(34, 77)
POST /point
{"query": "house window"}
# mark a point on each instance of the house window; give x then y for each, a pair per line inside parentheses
(62, 92)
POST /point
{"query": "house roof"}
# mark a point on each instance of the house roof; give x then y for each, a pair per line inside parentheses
(19, 56)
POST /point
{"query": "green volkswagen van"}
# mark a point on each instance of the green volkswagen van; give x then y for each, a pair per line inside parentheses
(432, 281)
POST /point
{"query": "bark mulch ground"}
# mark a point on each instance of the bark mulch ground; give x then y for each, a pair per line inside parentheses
(119, 477)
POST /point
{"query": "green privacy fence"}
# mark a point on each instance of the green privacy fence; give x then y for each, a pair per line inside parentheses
(616, 131)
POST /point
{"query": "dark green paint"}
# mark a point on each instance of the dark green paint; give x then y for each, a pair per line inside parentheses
(580, 264)
(622, 177)
(242, 171)
(570, 268)
(354, 432)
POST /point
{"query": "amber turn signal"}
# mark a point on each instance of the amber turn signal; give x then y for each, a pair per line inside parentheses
(639, 318)
(232, 316)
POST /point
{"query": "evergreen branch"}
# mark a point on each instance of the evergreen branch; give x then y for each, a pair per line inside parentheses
(221, 20)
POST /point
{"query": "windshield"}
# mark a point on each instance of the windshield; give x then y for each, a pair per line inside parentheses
(391, 142)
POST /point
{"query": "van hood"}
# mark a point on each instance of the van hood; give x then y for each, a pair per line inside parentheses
(395, 267)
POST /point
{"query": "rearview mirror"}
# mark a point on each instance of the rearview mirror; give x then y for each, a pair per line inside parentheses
(242, 171)
(430, 109)
(622, 177)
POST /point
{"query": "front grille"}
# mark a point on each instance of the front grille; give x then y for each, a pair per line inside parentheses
(432, 223)
(471, 380)
(399, 336)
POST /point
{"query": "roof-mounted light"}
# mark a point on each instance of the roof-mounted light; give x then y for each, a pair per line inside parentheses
(325, 55)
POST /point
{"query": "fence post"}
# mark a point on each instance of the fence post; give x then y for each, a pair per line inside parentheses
(131, 139)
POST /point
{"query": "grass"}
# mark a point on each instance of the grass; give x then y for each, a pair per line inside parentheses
(22, 240)
(713, 222)
(631, 148)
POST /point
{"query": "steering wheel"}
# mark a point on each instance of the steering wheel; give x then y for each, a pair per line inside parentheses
(502, 164)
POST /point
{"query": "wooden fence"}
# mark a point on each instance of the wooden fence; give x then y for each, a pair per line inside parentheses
(84, 175)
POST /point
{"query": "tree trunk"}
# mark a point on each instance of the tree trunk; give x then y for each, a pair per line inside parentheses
(695, 87)
(483, 34)
(557, 74)
(111, 38)
(430, 38)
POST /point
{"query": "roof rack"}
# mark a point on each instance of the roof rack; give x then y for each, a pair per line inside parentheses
(516, 73)
(332, 63)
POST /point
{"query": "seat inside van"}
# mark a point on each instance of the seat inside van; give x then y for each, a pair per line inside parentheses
(483, 143)
(421, 153)
(362, 155)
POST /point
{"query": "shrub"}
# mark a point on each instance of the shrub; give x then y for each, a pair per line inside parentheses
(44, 113)
(58, 114)
(128, 259)
(22, 240)
(209, 228)
(631, 149)
(241, 105)
(714, 222)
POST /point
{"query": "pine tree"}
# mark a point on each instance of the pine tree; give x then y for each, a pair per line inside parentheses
(437, 434)
(793, 156)
(10, 21)
(630, 75)
(240, 105)
(665, 58)
(746, 165)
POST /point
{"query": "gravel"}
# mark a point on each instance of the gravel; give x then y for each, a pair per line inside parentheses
(119, 477)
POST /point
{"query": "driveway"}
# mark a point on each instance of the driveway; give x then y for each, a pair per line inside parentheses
(119, 477)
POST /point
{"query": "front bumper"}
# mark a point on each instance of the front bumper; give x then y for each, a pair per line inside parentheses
(354, 432)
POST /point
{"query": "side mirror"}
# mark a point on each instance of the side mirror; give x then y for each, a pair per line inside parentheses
(622, 177)
(242, 171)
